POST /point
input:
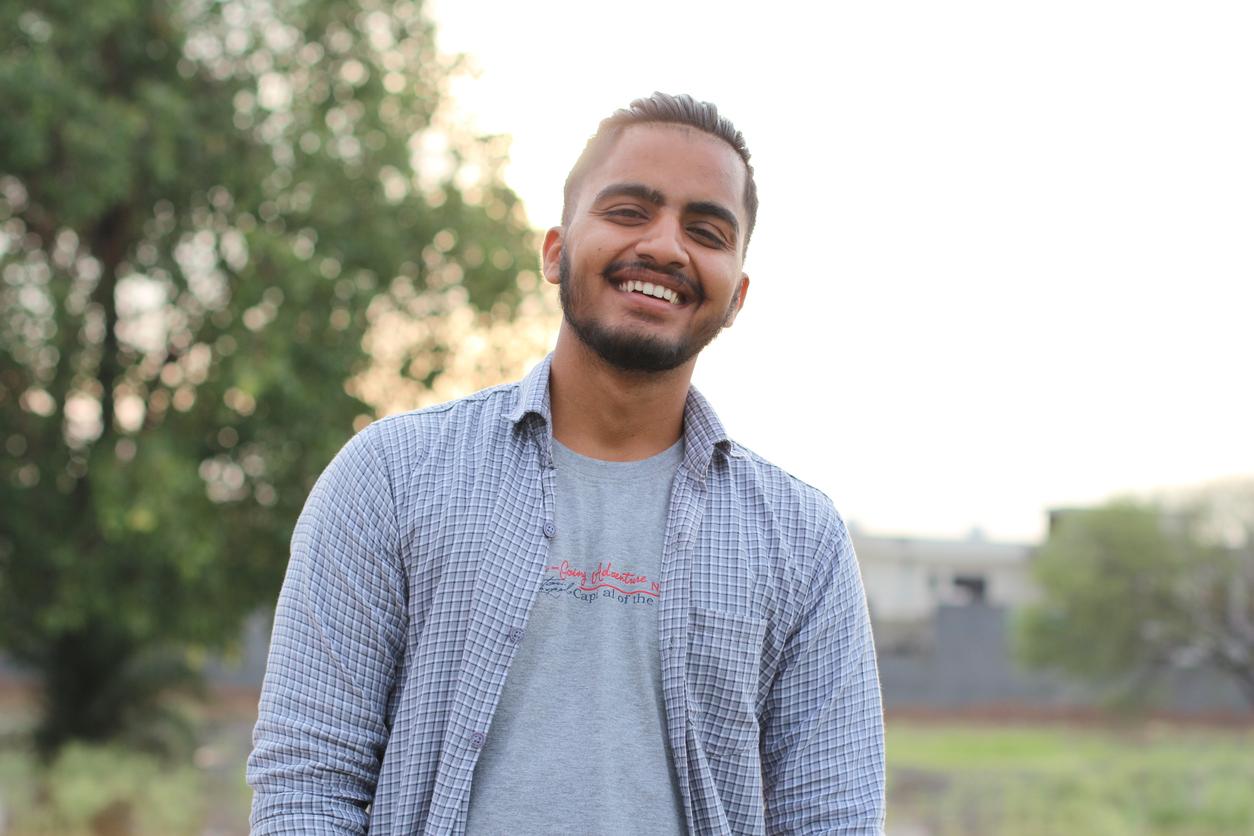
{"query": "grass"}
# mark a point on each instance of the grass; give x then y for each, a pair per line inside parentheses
(1044, 780)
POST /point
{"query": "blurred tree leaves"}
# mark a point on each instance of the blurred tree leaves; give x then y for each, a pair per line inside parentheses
(205, 209)
(1134, 589)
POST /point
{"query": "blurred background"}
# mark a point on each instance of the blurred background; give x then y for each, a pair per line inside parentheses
(1000, 313)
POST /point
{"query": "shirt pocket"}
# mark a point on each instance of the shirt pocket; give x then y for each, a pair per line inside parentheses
(724, 654)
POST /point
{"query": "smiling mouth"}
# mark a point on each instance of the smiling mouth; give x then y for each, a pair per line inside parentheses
(649, 289)
(643, 278)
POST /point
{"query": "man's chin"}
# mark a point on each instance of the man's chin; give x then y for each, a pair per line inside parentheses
(632, 352)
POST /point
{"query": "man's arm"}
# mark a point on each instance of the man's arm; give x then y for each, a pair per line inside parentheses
(338, 633)
(823, 741)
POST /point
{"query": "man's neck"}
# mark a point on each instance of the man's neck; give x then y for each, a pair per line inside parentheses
(606, 413)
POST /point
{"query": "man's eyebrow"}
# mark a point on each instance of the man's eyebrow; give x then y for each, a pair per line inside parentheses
(638, 190)
(717, 210)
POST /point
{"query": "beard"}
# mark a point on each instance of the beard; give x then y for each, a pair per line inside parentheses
(624, 349)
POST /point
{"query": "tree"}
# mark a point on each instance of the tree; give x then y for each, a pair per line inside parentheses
(205, 208)
(1134, 589)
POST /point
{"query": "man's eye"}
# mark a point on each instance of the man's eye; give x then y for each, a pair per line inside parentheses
(707, 235)
(627, 212)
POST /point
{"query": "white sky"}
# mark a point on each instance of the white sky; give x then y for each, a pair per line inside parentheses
(1005, 253)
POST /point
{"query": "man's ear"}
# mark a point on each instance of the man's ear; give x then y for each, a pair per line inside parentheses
(551, 255)
(738, 301)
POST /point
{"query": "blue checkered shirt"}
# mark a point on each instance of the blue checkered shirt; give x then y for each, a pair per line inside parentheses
(414, 565)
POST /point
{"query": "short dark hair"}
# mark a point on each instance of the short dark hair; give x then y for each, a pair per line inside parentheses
(662, 108)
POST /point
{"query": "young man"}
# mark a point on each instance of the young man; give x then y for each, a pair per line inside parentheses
(572, 604)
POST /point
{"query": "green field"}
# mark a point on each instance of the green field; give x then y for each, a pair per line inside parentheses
(1036, 780)
(943, 778)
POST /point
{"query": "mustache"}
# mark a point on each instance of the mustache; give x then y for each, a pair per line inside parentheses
(687, 285)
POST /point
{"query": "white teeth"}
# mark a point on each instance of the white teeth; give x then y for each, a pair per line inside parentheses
(649, 289)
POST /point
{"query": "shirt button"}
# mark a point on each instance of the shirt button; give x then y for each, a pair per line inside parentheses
(477, 740)
(550, 528)
(515, 635)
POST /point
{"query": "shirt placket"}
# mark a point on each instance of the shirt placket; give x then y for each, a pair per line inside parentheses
(686, 507)
(510, 576)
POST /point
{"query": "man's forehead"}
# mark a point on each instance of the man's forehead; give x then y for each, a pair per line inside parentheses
(672, 158)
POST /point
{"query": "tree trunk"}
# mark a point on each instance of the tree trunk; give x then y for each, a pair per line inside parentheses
(110, 242)
(1245, 681)
(80, 676)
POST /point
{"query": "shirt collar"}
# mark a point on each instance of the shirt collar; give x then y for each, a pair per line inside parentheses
(703, 434)
(533, 394)
(703, 431)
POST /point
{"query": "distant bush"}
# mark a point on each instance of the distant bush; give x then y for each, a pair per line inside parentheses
(99, 790)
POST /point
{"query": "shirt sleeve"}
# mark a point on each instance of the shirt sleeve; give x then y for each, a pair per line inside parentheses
(823, 735)
(338, 631)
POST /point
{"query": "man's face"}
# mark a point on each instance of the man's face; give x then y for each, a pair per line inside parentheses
(664, 208)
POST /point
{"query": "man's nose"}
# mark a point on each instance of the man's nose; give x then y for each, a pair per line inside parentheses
(662, 242)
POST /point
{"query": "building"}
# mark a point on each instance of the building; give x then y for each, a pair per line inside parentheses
(942, 612)
(909, 580)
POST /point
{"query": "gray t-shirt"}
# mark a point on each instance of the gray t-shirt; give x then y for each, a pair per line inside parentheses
(578, 742)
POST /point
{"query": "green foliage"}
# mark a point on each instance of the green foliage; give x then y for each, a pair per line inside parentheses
(1131, 590)
(200, 204)
(101, 789)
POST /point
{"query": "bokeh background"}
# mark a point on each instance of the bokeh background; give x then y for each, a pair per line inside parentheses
(1000, 304)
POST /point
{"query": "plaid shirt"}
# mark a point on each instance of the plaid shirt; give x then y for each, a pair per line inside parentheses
(414, 565)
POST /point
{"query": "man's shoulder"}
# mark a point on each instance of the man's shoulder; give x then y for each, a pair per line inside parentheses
(490, 402)
(411, 436)
(790, 497)
(486, 404)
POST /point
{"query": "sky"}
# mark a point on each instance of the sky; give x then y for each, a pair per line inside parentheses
(1004, 258)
